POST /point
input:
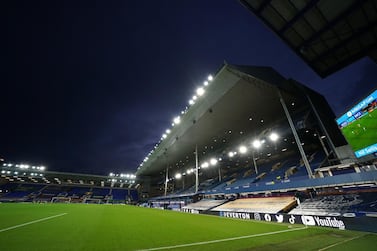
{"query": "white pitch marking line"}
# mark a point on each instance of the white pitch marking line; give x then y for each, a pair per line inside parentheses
(31, 222)
(223, 240)
(338, 243)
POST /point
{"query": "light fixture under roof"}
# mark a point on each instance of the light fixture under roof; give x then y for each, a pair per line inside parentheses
(274, 136)
(200, 91)
(177, 120)
(242, 149)
(257, 143)
(213, 161)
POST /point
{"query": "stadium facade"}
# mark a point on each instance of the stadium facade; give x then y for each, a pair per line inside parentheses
(241, 105)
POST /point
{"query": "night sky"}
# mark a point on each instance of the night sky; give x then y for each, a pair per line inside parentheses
(90, 86)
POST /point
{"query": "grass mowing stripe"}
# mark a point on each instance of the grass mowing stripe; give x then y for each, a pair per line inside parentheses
(31, 222)
(223, 240)
(341, 242)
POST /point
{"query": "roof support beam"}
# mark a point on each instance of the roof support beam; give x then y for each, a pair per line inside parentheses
(355, 35)
(261, 7)
(349, 60)
(298, 15)
(331, 24)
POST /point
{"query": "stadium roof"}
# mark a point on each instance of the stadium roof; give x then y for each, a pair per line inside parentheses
(240, 100)
(327, 35)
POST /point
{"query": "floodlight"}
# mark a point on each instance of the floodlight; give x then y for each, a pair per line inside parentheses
(204, 165)
(178, 176)
(194, 97)
(191, 102)
(200, 91)
(213, 161)
(274, 136)
(164, 136)
(205, 83)
(230, 154)
(257, 143)
(177, 120)
(242, 149)
(210, 78)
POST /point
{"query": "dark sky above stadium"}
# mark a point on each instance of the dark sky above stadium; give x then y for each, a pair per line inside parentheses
(90, 86)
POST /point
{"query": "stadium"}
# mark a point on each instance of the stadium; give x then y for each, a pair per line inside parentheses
(256, 161)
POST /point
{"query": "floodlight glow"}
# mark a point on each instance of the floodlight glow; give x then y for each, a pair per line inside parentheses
(205, 83)
(168, 131)
(210, 78)
(200, 91)
(213, 161)
(194, 97)
(191, 102)
(177, 120)
(274, 136)
(257, 143)
(230, 154)
(204, 165)
(242, 149)
(164, 136)
(178, 176)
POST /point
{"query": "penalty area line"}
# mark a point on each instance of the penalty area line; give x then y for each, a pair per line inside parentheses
(223, 240)
(31, 222)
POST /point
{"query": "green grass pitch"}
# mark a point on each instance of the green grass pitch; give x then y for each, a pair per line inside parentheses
(365, 134)
(119, 227)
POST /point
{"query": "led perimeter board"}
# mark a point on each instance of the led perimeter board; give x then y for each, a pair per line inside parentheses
(359, 126)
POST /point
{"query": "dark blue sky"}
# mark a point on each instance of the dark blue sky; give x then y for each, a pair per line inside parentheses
(90, 86)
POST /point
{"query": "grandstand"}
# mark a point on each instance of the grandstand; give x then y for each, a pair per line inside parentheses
(261, 159)
(23, 183)
(308, 138)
